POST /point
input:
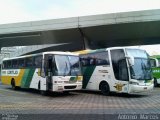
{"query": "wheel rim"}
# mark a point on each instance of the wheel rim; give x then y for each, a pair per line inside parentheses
(104, 88)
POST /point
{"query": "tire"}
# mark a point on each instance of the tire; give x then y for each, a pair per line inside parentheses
(42, 92)
(155, 82)
(66, 92)
(13, 84)
(104, 87)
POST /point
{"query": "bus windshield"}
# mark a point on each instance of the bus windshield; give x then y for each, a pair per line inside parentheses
(141, 70)
(67, 65)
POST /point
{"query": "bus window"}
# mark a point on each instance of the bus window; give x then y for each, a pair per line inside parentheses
(102, 58)
(49, 64)
(4, 65)
(21, 63)
(74, 65)
(158, 62)
(116, 56)
(123, 70)
(87, 60)
(14, 63)
(62, 65)
(29, 62)
(9, 64)
(37, 61)
(153, 62)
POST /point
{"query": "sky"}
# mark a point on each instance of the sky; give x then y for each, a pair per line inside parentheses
(13, 11)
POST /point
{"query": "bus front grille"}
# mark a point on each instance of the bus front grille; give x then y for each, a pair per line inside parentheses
(70, 87)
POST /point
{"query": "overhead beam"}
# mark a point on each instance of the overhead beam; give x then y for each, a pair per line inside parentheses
(116, 29)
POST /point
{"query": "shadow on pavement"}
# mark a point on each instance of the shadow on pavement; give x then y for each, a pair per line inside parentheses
(113, 94)
(37, 92)
(72, 93)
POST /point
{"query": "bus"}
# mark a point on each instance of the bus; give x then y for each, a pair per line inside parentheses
(47, 71)
(155, 64)
(116, 69)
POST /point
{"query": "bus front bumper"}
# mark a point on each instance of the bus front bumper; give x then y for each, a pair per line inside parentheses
(67, 87)
(138, 88)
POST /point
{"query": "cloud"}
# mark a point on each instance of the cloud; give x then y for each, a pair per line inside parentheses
(28, 10)
(152, 49)
(92, 7)
(11, 12)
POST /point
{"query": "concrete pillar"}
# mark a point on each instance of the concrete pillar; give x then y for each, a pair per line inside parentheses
(86, 43)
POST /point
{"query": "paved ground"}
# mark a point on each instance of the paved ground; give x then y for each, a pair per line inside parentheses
(31, 102)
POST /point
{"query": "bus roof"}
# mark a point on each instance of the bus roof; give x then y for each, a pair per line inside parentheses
(61, 53)
(89, 51)
(22, 56)
(104, 49)
(50, 52)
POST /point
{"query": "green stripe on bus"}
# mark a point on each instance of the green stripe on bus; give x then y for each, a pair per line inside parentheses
(27, 78)
(87, 73)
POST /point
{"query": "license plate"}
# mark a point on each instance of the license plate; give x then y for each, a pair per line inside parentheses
(145, 88)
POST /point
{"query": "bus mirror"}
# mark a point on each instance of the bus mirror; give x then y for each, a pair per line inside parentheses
(130, 60)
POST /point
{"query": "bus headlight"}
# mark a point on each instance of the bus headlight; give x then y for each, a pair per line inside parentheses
(58, 81)
(79, 78)
(133, 83)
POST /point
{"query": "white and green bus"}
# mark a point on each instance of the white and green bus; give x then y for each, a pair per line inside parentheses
(47, 71)
(155, 64)
(116, 69)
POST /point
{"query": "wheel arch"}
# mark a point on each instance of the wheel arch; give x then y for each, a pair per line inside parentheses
(103, 81)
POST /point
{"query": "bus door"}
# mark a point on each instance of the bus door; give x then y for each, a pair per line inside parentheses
(120, 70)
(50, 70)
(123, 82)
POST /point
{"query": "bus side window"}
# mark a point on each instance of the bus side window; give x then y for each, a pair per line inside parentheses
(29, 62)
(14, 63)
(116, 56)
(153, 62)
(9, 64)
(46, 64)
(84, 60)
(102, 58)
(158, 63)
(37, 61)
(21, 63)
(92, 61)
(4, 65)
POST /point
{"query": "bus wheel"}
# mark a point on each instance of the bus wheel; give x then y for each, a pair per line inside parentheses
(43, 92)
(104, 87)
(13, 84)
(155, 82)
(66, 92)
